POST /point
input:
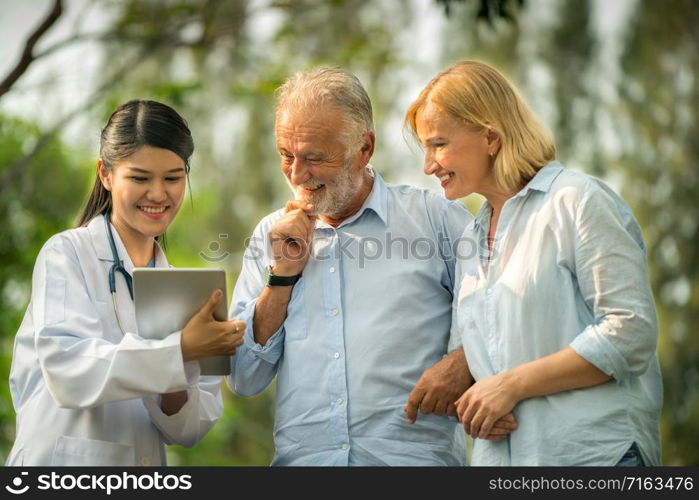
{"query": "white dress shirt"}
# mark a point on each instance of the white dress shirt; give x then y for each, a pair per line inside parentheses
(370, 314)
(568, 269)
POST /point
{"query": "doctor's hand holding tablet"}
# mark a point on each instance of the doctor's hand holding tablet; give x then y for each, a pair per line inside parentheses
(188, 300)
(205, 336)
(111, 393)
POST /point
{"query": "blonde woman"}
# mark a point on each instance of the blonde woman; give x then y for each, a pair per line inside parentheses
(556, 314)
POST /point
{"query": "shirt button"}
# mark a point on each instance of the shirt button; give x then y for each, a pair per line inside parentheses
(335, 312)
(344, 446)
(332, 269)
(145, 461)
(336, 355)
(340, 401)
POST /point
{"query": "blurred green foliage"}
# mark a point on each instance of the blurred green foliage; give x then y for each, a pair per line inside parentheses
(625, 111)
(38, 199)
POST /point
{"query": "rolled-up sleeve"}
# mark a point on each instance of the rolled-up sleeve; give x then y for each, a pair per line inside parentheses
(254, 366)
(610, 266)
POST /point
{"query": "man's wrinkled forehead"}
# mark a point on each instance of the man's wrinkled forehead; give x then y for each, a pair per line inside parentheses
(324, 123)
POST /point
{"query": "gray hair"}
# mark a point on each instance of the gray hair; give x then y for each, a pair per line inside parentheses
(335, 87)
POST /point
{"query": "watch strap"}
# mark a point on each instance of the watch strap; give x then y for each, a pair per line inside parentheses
(273, 280)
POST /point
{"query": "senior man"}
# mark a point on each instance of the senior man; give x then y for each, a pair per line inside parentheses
(347, 295)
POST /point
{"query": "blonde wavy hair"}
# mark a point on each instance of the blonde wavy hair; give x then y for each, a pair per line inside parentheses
(482, 98)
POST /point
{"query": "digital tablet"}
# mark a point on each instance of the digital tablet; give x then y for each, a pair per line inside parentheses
(167, 298)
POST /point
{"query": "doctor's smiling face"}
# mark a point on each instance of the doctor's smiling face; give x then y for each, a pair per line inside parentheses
(147, 189)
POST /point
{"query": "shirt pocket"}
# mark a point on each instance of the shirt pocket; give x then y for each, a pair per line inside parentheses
(295, 324)
(84, 452)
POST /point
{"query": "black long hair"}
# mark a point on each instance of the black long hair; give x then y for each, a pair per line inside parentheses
(132, 125)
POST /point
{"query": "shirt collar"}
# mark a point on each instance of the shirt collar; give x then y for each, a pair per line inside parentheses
(543, 178)
(541, 181)
(377, 201)
(483, 216)
(100, 242)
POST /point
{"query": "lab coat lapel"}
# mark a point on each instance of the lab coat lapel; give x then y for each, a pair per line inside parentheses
(100, 241)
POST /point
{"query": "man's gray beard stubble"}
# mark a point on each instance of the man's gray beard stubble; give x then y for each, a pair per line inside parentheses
(336, 197)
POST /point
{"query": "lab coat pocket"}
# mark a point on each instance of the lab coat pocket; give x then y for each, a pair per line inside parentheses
(82, 451)
(54, 300)
(295, 322)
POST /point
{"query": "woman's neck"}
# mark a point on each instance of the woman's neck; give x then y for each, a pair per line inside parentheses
(496, 203)
(496, 199)
(139, 247)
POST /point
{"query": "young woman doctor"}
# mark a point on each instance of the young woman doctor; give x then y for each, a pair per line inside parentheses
(86, 388)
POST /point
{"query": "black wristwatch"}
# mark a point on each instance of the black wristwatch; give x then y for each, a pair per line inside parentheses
(272, 280)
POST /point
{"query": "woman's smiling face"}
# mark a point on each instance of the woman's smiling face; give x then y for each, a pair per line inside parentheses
(147, 190)
(457, 156)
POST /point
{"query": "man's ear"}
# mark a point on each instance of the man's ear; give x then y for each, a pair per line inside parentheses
(494, 141)
(367, 149)
(104, 175)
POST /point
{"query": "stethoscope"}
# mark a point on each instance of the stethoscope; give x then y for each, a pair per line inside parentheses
(116, 268)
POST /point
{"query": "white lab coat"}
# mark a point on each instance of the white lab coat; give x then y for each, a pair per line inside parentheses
(84, 393)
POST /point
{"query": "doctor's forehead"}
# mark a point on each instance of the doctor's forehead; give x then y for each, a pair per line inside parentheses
(151, 160)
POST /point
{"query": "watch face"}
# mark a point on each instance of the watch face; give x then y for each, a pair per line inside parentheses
(268, 272)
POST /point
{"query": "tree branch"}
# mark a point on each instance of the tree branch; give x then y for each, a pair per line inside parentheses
(84, 37)
(28, 53)
(13, 172)
(169, 39)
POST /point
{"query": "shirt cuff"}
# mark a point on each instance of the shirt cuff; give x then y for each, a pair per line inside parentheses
(454, 341)
(192, 371)
(596, 349)
(272, 350)
(178, 426)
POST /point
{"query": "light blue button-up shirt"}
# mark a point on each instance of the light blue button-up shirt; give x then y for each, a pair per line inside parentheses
(370, 314)
(568, 269)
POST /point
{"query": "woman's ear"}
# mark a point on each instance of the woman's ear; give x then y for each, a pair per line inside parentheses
(104, 175)
(494, 142)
